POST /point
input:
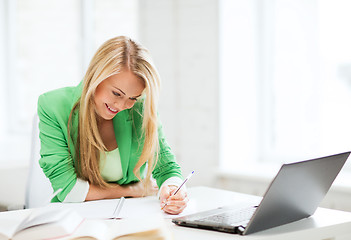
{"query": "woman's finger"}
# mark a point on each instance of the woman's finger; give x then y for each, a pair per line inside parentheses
(178, 202)
(179, 195)
(174, 209)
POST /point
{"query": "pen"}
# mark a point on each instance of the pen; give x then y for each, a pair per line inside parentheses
(181, 185)
(118, 208)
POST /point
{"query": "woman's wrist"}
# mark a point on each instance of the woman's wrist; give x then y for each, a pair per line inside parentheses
(115, 191)
(128, 190)
(118, 191)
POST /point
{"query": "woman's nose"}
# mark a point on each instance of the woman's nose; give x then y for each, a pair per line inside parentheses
(128, 104)
(124, 104)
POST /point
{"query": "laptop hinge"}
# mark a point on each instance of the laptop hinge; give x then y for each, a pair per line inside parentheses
(240, 230)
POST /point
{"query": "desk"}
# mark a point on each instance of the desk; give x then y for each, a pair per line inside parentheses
(325, 224)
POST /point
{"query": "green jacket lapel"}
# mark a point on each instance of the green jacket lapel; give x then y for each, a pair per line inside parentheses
(123, 132)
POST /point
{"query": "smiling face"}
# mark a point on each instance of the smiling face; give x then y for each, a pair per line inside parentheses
(117, 93)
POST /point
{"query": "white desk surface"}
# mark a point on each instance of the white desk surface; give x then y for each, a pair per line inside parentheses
(325, 224)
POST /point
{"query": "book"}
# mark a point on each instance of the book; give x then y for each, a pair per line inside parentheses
(152, 228)
(38, 223)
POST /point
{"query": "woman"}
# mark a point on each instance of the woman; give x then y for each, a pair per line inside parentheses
(102, 139)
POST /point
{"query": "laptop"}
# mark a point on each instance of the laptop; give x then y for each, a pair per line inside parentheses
(294, 194)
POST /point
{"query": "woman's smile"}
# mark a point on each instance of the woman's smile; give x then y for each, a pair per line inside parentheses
(114, 111)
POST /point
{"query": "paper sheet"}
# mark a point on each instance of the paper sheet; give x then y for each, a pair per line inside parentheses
(100, 209)
(132, 208)
(149, 206)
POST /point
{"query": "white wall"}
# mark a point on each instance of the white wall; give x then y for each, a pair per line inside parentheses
(182, 36)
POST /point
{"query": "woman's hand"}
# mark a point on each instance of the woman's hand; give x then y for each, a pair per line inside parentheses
(140, 190)
(173, 204)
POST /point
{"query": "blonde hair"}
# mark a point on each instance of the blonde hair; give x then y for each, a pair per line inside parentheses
(117, 54)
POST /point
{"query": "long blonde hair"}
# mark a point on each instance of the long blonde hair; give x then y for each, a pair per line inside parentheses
(117, 54)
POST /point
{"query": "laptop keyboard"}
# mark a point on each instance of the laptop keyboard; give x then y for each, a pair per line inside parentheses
(235, 217)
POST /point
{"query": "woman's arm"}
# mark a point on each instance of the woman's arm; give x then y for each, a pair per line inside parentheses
(56, 159)
(117, 191)
(168, 175)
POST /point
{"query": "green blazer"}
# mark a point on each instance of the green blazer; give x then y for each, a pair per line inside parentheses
(58, 151)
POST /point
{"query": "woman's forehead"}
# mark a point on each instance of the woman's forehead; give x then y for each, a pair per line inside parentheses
(127, 82)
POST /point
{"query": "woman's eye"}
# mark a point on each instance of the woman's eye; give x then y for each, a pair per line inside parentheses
(116, 94)
(133, 99)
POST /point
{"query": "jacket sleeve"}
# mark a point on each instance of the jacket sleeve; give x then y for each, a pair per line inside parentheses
(56, 160)
(166, 166)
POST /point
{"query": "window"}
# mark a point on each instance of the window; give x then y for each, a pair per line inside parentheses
(285, 80)
(46, 45)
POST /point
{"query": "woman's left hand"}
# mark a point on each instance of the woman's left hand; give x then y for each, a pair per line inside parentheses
(173, 204)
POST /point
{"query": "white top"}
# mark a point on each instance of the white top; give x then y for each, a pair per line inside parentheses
(110, 166)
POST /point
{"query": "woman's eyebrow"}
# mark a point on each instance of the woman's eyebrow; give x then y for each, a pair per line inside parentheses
(125, 94)
(120, 90)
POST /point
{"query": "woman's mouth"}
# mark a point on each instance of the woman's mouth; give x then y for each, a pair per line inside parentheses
(114, 111)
